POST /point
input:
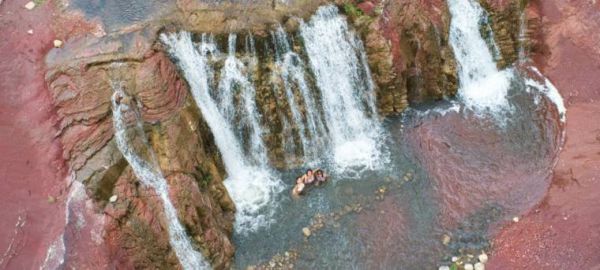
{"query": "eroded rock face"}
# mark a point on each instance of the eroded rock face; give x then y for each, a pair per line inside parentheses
(136, 230)
(410, 60)
(407, 45)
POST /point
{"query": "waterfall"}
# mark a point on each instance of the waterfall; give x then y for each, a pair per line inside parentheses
(234, 78)
(343, 78)
(251, 186)
(292, 69)
(482, 85)
(150, 175)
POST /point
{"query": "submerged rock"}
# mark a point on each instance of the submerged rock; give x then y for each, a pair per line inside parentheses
(306, 231)
(483, 258)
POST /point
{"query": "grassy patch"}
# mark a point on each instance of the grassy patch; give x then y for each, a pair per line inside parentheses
(352, 11)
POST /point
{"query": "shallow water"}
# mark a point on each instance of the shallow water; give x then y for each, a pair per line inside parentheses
(471, 175)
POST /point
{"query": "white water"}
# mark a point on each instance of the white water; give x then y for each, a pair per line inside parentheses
(150, 175)
(234, 77)
(550, 91)
(75, 204)
(482, 85)
(291, 66)
(336, 59)
(250, 186)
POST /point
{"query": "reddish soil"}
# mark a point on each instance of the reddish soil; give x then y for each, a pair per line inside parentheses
(32, 168)
(563, 232)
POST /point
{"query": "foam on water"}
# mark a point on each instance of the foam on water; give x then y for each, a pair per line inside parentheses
(550, 91)
(150, 175)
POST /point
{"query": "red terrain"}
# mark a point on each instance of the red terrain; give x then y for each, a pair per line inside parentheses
(563, 232)
(32, 174)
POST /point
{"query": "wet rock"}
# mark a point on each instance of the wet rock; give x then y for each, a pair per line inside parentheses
(483, 258)
(306, 232)
(446, 239)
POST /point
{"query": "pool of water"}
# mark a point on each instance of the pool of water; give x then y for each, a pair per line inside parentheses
(451, 172)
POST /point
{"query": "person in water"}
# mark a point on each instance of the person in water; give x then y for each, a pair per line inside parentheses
(306, 179)
(320, 177)
(309, 178)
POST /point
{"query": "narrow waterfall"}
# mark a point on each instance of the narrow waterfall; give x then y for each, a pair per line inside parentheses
(250, 186)
(150, 175)
(291, 66)
(482, 85)
(234, 78)
(343, 78)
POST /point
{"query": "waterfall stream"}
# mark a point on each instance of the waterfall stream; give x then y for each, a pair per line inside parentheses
(250, 186)
(292, 68)
(150, 175)
(337, 62)
(482, 85)
(336, 121)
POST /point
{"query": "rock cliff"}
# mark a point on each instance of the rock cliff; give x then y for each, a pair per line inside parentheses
(408, 53)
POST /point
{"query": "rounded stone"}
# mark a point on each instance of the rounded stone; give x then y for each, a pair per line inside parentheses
(483, 258)
(113, 198)
(306, 231)
(479, 266)
(57, 43)
(30, 5)
(468, 266)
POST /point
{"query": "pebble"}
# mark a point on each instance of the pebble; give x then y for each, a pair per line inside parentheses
(483, 258)
(454, 259)
(516, 219)
(468, 266)
(30, 31)
(51, 199)
(479, 266)
(306, 231)
(30, 5)
(58, 43)
(444, 267)
(446, 239)
(113, 198)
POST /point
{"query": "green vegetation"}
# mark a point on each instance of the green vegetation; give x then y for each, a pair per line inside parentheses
(352, 11)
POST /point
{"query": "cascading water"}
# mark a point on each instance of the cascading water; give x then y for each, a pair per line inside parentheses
(312, 135)
(233, 79)
(342, 76)
(149, 174)
(482, 86)
(250, 186)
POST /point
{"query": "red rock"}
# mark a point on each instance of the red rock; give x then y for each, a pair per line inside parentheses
(367, 7)
(562, 232)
